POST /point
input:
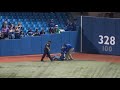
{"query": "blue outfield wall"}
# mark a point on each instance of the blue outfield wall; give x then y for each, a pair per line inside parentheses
(101, 35)
(35, 45)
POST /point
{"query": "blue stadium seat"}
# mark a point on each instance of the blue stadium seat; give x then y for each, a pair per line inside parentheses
(35, 19)
(13, 13)
(39, 26)
(2, 17)
(9, 20)
(3, 20)
(15, 23)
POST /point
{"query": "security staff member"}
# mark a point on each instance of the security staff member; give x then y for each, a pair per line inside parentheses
(47, 51)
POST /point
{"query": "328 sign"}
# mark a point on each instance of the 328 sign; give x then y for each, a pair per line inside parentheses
(107, 41)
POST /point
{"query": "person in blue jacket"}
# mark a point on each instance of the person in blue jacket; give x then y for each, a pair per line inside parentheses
(69, 50)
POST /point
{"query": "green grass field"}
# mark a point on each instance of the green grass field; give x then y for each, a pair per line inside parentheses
(60, 69)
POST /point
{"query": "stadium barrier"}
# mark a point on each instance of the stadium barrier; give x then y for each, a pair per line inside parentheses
(100, 35)
(35, 45)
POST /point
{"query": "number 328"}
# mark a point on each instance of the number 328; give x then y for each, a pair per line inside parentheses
(108, 40)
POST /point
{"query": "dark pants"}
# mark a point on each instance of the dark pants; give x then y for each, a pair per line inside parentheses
(46, 53)
(5, 34)
(17, 35)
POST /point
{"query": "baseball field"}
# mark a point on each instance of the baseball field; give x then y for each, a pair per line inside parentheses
(84, 66)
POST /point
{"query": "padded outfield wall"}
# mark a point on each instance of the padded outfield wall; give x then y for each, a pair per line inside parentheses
(35, 45)
(101, 35)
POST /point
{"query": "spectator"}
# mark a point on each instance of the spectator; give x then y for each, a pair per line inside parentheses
(30, 32)
(36, 33)
(42, 32)
(67, 24)
(51, 30)
(4, 24)
(57, 30)
(17, 32)
(70, 27)
(9, 25)
(51, 23)
(74, 24)
(5, 31)
(1, 35)
(22, 34)
(20, 26)
(11, 33)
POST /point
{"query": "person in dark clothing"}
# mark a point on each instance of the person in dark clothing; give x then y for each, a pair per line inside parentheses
(63, 55)
(51, 23)
(51, 30)
(42, 32)
(5, 23)
(17, 32)
(36, 33)
(30, 32)
(47, 51)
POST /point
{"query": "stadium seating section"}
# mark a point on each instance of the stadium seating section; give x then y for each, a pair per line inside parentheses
(35, 20)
